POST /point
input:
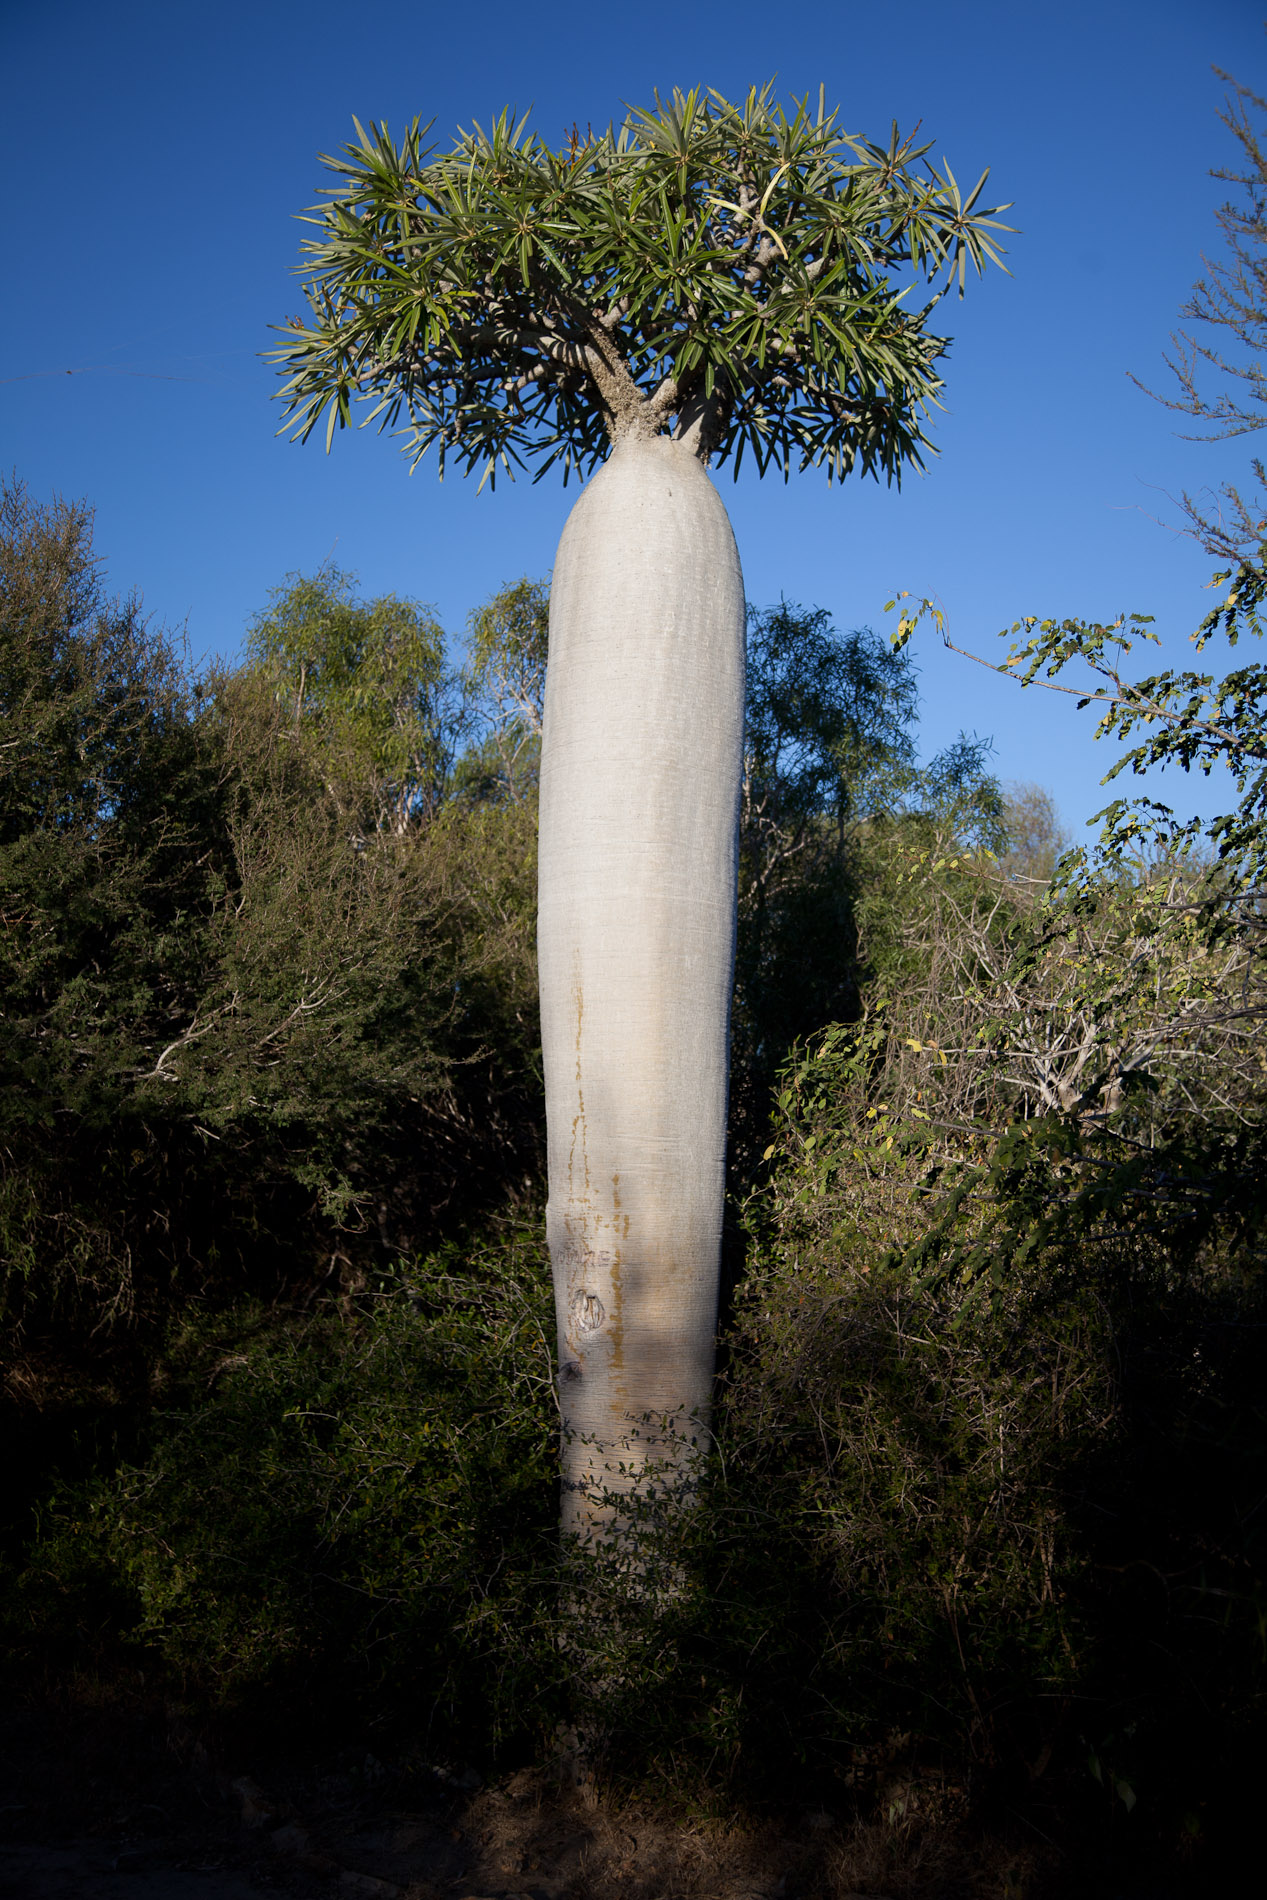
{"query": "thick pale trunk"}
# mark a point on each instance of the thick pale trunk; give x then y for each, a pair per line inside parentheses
(641, 760)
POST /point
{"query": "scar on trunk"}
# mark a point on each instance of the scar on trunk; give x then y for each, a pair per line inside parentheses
(586, 1311)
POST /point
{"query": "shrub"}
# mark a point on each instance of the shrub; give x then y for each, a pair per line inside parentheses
(352, 1511)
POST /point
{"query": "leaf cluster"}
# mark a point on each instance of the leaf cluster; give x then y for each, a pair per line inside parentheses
(737, 273)
(1194, 720)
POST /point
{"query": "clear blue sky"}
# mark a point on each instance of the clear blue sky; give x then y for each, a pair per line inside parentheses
(155, 156)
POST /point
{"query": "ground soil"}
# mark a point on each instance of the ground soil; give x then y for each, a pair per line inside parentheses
(95, 1805)
(102, 1804)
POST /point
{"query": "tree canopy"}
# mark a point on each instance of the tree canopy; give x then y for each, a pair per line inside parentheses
(736, 274)
(369, 680)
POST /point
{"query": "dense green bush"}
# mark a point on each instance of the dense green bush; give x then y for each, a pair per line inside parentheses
(356, 1511)
(266, 988)
(102, 798)
(341, 1512)
(887, 1544)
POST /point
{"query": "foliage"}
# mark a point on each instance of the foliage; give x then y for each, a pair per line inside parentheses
(1179, 717)
(509, 637)
(922, 1460)
(827, 730)
(345, 1508)
(827, 733)
(326, 1001)
(102, 797)
(1116, 1029)
(1048, 1128)
(371, 1024)
(269, 1005)
(371, 691)
(829, 756)
(338, 1498)
(1111, 1367)
(990, 1428)
(1036, 837)
(728, 270)
(886, 1543)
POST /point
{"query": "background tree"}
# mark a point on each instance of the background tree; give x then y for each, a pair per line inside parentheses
(267, 984)
(714, 278)
(370, 684)
(509, 638)
(376, 929)
(103, 808)
(829, 768)
(1218, 366)
(1036, 837)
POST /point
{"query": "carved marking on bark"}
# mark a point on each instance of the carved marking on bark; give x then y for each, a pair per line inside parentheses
(587, 1310)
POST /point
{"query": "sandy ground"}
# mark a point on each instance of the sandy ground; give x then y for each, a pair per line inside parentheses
(527, 1840)
(90, 1812)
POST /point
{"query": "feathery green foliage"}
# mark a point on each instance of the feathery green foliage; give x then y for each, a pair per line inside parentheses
(737, 270)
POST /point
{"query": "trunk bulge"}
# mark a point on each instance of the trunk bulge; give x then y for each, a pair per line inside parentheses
(641, 763)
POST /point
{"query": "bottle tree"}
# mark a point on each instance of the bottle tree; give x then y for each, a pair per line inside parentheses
(710, 282)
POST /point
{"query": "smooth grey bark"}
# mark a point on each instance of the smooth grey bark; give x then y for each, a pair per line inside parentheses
(642, 754)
